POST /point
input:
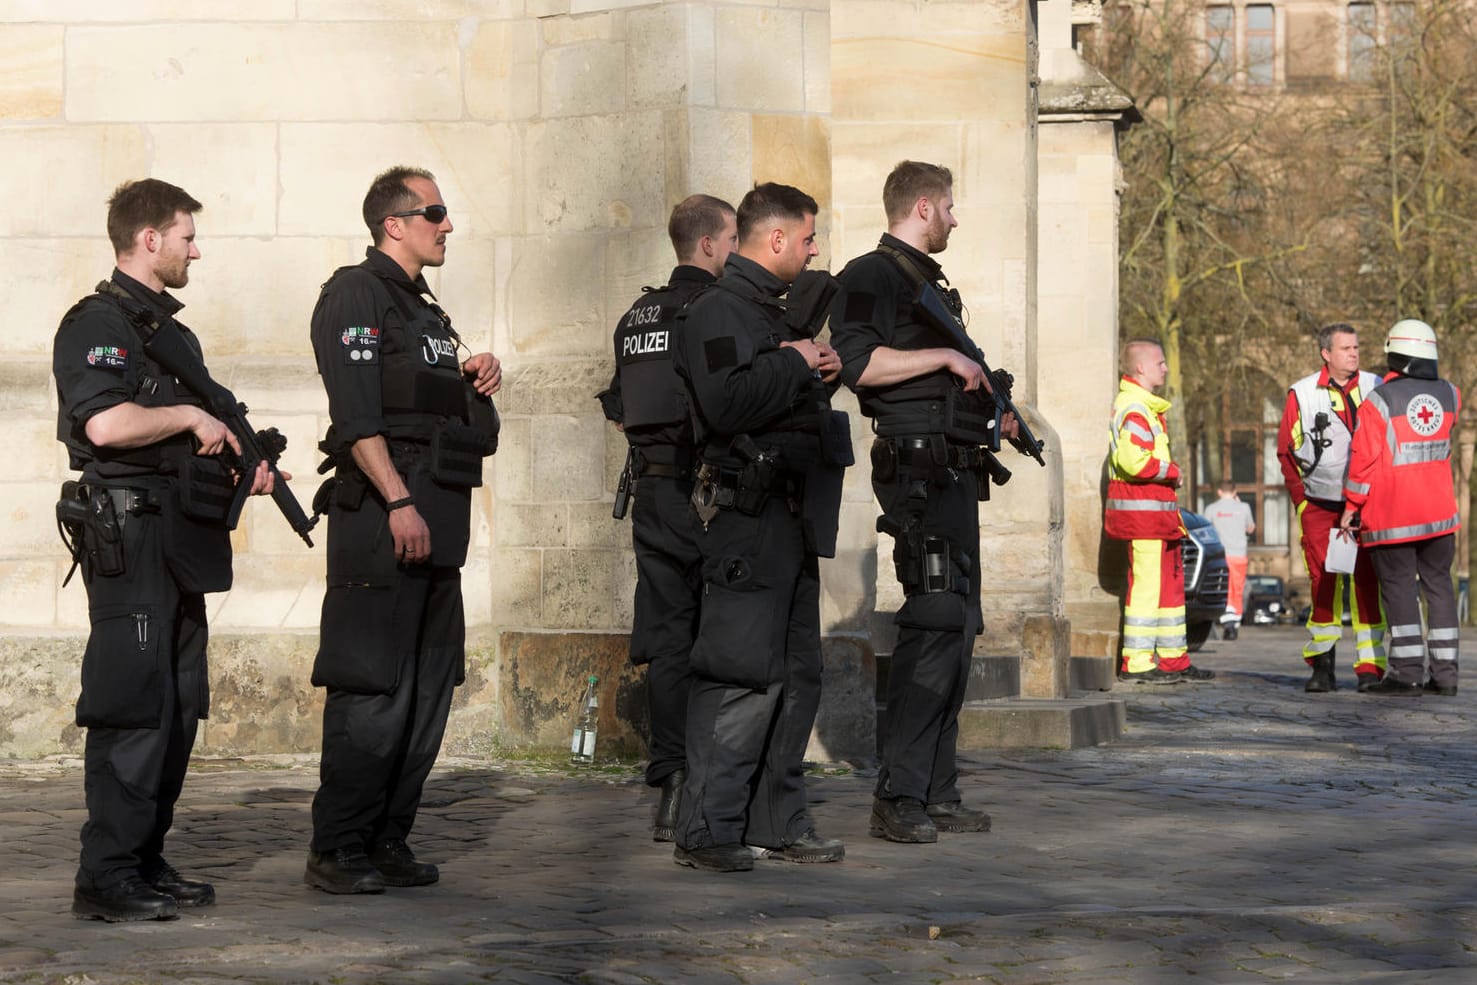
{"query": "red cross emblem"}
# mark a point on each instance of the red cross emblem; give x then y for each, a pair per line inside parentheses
(1424, 415)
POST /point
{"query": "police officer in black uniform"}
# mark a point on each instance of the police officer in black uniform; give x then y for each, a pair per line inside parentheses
(756, 663)
(411, 425)
(147, 522)
(924, 401)
(647, 399)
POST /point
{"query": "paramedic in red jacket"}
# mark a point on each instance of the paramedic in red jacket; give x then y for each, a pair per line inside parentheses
(1403, 507)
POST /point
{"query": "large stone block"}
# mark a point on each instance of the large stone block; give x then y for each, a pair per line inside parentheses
(27, 388)
(555, 298)
(230, 167)
(817, 28)
(532, 525)
(672, 51)
(761, 59)
(464, 289)
(78, 166)
(502, 71)
(31, 86)
(542, 679)
(794, 150)
(864, 152)
(516, 578)
(580, 588)
(591, 525)
(569, 457)
(596, 172)
(888, 18)
(235, 314)
(476, 167)
(31, 448)
(267, 589)
(143, 11)
(28, 515)
(584, 78)
(28, 589)
(474, 727)
(406, 10)
(633, 260)
(512, 466)
(261, 698)
(567, 387)
(197, 71)
(38, 691)
(709, 151)
(961, 77)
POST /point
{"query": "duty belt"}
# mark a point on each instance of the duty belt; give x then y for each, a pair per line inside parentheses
(719, 486)
(126, 502)
(936, 451)
(680, 466)
(663, 470)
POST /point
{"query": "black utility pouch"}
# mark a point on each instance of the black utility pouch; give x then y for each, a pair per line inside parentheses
(206, 489)
(969, 418)
(456, 455)
(754, 484)
(349, 486)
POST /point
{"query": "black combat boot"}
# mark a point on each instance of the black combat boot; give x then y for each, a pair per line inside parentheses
(666, 810)
(1322, 679)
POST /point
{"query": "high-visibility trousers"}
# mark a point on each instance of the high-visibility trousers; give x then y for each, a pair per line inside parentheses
(1235, 590)
(1154, 612)
(1333, 595)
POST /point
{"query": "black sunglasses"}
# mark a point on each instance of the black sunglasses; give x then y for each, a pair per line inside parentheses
(433, 213)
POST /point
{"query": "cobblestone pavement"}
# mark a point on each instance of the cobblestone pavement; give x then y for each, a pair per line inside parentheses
(1240, 832)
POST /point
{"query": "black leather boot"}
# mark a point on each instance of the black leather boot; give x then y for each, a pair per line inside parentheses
(1322, 679)
(665, 825)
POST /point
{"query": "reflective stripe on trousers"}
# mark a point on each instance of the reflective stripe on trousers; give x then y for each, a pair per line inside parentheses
(1154, 612)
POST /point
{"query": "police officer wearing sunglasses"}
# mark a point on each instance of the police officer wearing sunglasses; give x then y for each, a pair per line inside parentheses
(411, 422)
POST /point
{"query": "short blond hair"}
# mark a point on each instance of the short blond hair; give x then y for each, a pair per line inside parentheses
(1128, 362)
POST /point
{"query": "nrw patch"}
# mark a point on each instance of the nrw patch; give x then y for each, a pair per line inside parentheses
(361, 345)
(1424, 415)
(107, 357)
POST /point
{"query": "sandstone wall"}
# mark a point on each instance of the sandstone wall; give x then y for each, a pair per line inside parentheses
(562, 131)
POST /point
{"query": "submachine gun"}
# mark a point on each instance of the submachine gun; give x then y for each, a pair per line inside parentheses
(943, 318)
(167, 346)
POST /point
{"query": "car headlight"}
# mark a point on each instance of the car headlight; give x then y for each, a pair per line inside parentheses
(1275, 607)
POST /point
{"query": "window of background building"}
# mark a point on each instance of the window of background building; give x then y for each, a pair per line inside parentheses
(1220, 42)
(1261, 44)
(1363, 41)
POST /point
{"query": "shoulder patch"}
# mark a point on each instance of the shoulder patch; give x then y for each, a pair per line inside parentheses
(107, 357)
(860, 306)
(360, 344)
(721, 353)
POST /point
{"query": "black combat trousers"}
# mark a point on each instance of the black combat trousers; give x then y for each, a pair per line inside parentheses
(144, 689)
(378, 748)
(1398, 567)
(669, 588)
(930, 663)
(756, 683)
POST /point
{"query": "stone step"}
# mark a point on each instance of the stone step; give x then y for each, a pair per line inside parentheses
(1041, 723)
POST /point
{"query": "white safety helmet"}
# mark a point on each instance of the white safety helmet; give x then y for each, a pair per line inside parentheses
(1412, 338)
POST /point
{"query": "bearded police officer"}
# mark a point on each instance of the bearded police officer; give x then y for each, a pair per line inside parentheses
(921, 395)
(410, 427)
(647, 400)
(149, 532)
(760, 411)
